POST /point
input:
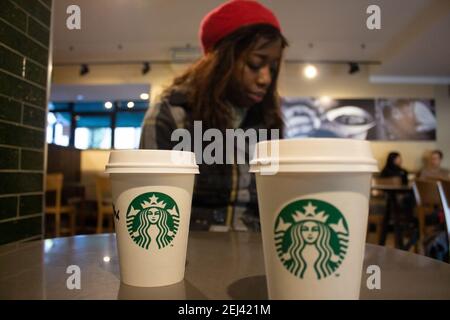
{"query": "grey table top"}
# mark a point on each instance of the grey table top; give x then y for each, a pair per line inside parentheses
(219, 266)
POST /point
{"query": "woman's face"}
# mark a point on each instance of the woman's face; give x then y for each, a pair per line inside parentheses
(255, 72)
(153, 215)
(398, 161)
(310, 231)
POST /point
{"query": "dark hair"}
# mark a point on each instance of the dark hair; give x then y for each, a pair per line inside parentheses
(209, 80)
(390, 161)
(438, 152)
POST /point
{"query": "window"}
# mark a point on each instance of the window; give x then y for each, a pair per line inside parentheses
(92, 107)
(134, 105)
(58, 106)
(97, 125)
(127, 138)
(58, 128)
(93, 132)
(128, 130)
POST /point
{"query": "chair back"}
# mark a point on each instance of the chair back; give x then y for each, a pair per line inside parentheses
(103, 191)
(444, 192)
(426, 193)
(427, 197)
(54, 183)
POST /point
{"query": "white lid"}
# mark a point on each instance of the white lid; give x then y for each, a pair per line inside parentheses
(313, 155)
(151, 161)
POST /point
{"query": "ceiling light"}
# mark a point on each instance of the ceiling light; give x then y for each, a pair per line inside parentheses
(310, 71)
(130, 105)
(144, 96)
(108, 105)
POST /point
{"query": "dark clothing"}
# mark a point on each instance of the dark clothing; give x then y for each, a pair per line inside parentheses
(223, 193)
(395, 171)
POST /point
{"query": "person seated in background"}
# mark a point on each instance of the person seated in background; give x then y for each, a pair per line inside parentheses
(393, 168)
(434, 170)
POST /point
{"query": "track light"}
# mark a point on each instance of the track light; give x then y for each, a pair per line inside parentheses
(144, 96)
(353, 67)
(146, 68)
(84, 69)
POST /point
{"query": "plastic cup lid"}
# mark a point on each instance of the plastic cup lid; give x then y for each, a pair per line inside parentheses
(151, 161)
(313, 155)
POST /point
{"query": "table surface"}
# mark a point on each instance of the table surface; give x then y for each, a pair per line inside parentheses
(220, 265)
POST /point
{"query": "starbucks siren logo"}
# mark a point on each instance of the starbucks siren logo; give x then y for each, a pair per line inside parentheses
(151, 217)
(311, 238)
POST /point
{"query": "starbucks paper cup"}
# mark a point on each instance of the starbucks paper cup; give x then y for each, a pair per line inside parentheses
(313, 214)
(152, 195)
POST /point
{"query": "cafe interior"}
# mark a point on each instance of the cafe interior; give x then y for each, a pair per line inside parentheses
(76, 84)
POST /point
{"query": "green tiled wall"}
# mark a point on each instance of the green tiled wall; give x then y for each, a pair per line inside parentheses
(24, 51)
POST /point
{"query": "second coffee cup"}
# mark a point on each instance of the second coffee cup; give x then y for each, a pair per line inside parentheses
(313, 197)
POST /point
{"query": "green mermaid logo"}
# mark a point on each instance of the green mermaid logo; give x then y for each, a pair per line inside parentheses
(311, 238)
(151, 217)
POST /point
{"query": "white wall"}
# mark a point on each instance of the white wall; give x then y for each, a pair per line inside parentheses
(333, 81)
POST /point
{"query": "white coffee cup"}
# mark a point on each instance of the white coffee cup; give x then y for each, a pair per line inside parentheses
(313, 215)
(360, 122)
(152, 195)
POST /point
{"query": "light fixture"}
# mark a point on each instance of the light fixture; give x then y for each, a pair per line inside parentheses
(325, 101)
(80, 97)
(108, 105)
(353, 67)
(146, 68)
(144, 96)
(106, 259)
(84, 69)
(310, 71)
(130, 104)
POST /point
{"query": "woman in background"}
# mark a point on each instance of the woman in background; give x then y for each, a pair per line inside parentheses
(393, 168)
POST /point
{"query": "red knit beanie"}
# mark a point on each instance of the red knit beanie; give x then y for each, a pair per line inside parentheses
(229, 17)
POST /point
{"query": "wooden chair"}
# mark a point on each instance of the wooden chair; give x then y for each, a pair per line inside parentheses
(444, 192)
(54, 183)
(378, 203)
(104, 202)
(428, 200)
